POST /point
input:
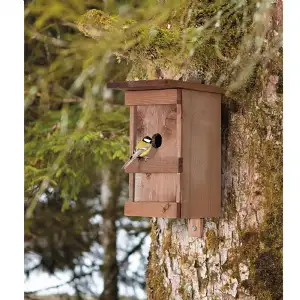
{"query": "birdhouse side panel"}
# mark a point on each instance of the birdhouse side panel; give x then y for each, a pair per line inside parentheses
(201, 142)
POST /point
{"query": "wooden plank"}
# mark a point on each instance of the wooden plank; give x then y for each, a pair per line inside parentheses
(142, 85)
(150, 120)
(160, 187)
(196, 227)
(179, 148)
(187, 111)
(152, 209)
(171, 96)
(201, 139)
(156, 165)
(132, 129)
(160, 119)
(179, 129)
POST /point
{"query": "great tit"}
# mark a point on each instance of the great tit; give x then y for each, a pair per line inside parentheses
(141, 150)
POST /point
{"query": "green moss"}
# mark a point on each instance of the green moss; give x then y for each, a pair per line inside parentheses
(186, 47)
(232, 263)
(96, 21)
(264, 295)
(250, 240)
(267, 265)
(155, 273)
(245, 284)
(163, 39)
(213, 276)
(262, 247)
(230, 204)
(203, 282)
(171, 222)
(225, 287)
(267, 274)
(212, 240)
(185, 290)
(167, 241)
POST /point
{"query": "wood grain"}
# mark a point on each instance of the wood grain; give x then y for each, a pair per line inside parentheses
(132, 139)
(155, 187)
(201, 140)
(157, 165)
(170, 96)
(152, 209)
(179, 149)
(160, 119)
(164, 84)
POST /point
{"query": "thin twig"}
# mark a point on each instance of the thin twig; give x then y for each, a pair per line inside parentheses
(64, 283)
(133, 250)
(51, 40)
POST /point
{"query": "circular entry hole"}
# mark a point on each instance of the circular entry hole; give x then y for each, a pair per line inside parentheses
(156, 140)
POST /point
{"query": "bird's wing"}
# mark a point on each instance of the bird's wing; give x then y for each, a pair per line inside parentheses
(135, 155)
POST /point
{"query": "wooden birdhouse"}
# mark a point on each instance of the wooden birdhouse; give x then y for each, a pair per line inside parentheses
(182, 176)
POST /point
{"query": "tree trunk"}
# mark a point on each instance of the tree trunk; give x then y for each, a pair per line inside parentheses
(240, 254)
(111, 187)
(111, 190)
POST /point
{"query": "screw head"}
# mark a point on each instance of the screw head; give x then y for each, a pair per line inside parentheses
(194, 228)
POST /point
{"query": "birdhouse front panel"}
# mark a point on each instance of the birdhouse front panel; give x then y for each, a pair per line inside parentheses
(149, 186)
(156, 180)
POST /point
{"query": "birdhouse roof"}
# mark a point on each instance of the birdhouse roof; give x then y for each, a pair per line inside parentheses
(143, 85)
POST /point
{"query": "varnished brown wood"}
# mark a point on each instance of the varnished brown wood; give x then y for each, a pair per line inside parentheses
(156, 165)
(179, 130)
(201, 140)
(155, 187)
(142, 85)
(179, 148)
(171, 96)
(196, 227)
(152, 209)
(132, 129)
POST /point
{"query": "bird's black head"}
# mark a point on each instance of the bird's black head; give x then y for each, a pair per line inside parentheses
(147, 139)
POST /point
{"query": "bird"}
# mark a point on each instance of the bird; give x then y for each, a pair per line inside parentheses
(141, 150)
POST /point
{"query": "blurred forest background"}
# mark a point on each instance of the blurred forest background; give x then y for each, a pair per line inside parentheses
(76, 130)
(76, 135)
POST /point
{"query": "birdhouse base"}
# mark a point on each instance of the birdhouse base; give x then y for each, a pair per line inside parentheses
(163, 210)
(152, 209)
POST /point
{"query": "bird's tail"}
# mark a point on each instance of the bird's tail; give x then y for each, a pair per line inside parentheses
(132, 158)
(127, 163)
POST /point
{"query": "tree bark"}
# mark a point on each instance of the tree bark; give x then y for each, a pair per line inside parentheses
(111, 190)
(240, 254)
(111, 187)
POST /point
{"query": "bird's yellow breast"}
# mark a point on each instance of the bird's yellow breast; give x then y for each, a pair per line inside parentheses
(142, 144)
